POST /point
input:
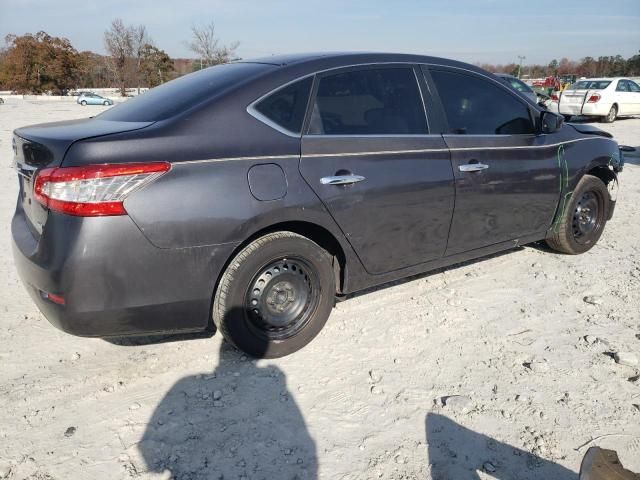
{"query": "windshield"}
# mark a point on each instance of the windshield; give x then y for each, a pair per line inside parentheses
(519, 85)
(183, 93)
(590, 85)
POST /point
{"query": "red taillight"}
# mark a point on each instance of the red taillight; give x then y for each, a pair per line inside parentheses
(94, 190)
(59, 299)
(594, 98)
(555, 97)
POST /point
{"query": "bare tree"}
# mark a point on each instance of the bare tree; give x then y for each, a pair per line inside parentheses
(125, 45)
(207, 46)
(139, 39)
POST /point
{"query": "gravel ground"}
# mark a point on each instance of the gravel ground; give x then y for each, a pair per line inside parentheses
(499, 368)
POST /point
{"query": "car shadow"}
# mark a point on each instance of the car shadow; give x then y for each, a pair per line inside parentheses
(237, 421)
(632, 157)
(140, 340)
(429, 273)
(455, 452)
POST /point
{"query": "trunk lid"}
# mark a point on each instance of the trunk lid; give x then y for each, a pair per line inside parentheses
(41, 146)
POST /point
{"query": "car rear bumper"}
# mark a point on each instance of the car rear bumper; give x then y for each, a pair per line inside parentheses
(588, 109)
(114, 282)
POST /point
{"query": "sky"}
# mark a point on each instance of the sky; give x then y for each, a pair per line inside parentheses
(476, 31)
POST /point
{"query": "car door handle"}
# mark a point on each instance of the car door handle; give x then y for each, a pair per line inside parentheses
(473, 167)
(341, 179)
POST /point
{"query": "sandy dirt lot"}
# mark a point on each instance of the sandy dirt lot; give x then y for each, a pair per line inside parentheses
(524, 364)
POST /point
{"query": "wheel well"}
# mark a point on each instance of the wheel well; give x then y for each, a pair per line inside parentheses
(317, 234)
(603, 173)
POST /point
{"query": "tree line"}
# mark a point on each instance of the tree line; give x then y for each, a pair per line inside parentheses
(604, 66)
(40, 63)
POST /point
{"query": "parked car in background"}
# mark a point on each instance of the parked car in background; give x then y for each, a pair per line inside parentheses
(607, 98)
(80, 92)
(519, 86)
(249, 195)
(93, 99)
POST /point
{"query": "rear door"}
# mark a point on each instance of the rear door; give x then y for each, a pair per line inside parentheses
(369, 156)
(506, 176)
(628, 97)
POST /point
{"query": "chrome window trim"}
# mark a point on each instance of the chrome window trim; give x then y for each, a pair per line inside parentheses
(382, 152)
(251, 108)
(258, 116)
(527, 102)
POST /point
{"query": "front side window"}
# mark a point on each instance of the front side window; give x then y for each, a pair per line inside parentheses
(373, 101)
(286, 107)
(475, 106)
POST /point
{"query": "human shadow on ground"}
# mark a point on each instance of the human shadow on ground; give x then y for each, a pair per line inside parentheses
(237, 421)
(456, 452)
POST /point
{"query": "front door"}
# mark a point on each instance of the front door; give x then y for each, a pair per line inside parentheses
(506, 176)
(627, 97)
(368, 156)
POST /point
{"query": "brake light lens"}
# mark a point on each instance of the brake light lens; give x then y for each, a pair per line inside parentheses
(94, 190)
(555, 97)
(594, 98)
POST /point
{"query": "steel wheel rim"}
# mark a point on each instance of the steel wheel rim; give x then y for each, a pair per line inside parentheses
(282, 298)
(586, 217)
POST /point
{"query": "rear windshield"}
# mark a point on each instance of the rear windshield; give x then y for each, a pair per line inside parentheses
(183, 93)
(519, 85)
(590, 85)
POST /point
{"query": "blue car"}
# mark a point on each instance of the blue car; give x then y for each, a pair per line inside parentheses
(93, 99)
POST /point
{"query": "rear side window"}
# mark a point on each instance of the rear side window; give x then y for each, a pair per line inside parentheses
(633, 86)
(383, 101)
(180, 94)
(287, 106)
(476, 106)
(622, 86)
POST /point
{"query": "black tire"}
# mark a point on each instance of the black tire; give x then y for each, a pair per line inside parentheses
(567, 118)
(83, 103)
(583, 219)
(105, 103)
(275, 295)
(611, 116)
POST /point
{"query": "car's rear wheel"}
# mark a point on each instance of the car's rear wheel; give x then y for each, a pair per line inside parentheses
(275, 296)
(611, 116)
(580, 225)
(83, 103)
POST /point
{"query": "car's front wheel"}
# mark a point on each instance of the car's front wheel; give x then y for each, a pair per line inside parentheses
(83, 103)
(611, 116)
(106, 103)
(275, 295)
(582, 220)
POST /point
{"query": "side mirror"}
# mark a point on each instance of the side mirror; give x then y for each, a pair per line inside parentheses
(550, 122)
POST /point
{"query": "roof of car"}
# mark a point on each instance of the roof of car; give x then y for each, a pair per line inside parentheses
(353, 58)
